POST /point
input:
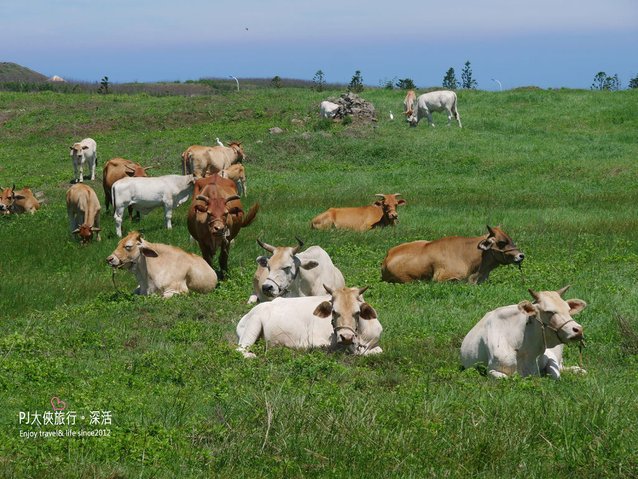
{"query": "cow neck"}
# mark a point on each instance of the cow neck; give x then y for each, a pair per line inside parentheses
(383, 219)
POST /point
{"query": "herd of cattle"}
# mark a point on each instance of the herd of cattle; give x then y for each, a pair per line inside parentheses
(303, 298)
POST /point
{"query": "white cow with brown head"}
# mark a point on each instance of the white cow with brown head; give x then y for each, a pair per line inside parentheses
(82, 152)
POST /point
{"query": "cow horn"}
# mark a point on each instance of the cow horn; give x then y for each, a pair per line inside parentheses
(563, 290)
(75, 231)
(380, 195)
(231, 198)
(363, 290)
(298, 247)
(534, 294)
(266, 246)
(93, 228)
(147, 168)
(129, 167)
(328, 289)
(491, 231)
(202, 198)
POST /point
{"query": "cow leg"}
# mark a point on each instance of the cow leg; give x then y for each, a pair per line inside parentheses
(168, 214)
(430, 122)
(449, 117)
(248, 331)
(72, 225)
(81, 177)
(117, 216)
(223, 258)
(497, 374)
(75, 172)
(93, 169)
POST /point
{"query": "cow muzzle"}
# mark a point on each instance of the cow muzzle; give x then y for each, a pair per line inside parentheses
(113, 261)
(345, 335)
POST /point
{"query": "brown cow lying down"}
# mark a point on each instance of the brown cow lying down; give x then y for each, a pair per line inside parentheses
(382, 212)
(450, 258)
(17, 201)
(161, 268)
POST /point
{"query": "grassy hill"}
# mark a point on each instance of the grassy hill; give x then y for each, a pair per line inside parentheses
(556, 169)
(12, 72)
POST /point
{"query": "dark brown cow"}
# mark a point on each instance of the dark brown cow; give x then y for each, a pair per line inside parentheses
(450, 258)
(382, 212)
(116, 169)
(17, 201)
(215, 218)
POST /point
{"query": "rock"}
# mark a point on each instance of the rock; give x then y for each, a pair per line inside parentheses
(275, 130)
(297, 122)
(353, 105)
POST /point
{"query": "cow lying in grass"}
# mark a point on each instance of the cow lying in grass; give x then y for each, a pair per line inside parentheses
(382, 212)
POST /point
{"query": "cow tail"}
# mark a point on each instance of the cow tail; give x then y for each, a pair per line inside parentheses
(248, 219)
(454, 110)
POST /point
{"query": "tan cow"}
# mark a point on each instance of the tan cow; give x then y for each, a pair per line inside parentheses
(83, 209)
(408, 103)
(382, 212)
(199, 160)
(116, 169)
(160, 268)
(450, 258)
(17, 201)
(237, 173)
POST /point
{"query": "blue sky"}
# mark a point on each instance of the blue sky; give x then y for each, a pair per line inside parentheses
(548, 43)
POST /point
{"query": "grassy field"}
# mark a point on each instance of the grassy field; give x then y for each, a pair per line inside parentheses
(556, 169)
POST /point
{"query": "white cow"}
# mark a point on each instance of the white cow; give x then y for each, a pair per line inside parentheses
(514, 339)
(328, 109)
(442, 100)
(303, 323)
(148, 193)
(82, 152)
(160, 268)
(291, 274)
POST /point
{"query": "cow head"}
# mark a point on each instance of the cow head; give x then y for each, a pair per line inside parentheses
(214, 212)
(555, 314)
(501, 247)
(238, 149)
(389, 203)
(283, 268)
(129, 251)
(85, 232)
(6, 195)
(77, 150)
(346, 307)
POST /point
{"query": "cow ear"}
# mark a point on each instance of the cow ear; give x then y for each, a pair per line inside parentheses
(367, 312)
(526, 308)
(378, 203)
(401, 203)
(486, 244)
(235, 210)
(576, 306)
(18, 197)
(491, 231)
(148, 252)
(323, 310)
(85, 147)
(310, 264)
(262, 261)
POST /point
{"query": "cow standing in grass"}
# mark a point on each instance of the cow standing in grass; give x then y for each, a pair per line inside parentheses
(83, 209)
(83, 152)
(434, 101)
(200, 160)
(116, 169)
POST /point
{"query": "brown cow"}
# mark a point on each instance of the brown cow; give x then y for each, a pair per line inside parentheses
(83, 209)
(215, 218)
(198, 160)
(450, 258)
(237, 173)
(382, 212)
(408, 103)
(17, 201)
(116, 169)
(228, 186)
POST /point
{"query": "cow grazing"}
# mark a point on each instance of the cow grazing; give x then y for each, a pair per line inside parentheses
(450, 258)
(146, 194)
(340, 320)
(18, 201)
(513, 339)
(199, 160)
(434, 101)
(83, 208)
(408, 103)
(116, 169)
(215, 218)
(83, 152)
(382, 212)
(237, 173)
(290, 273)
(328, 109)
(162, 269)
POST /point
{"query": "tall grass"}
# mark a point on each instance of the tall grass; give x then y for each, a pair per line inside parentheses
(556, 169)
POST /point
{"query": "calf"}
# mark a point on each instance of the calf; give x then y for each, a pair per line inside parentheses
(162, 269)
(18, 202)
(340, 320)
(83, 209)
(290, 273)
(382, 212)
(450, 258)
(513, 339)
(443, 100)
(146, 194)
(82, 152)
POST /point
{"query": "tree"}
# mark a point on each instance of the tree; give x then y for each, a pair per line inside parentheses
(356, 84)
(276, 81)
(466, 77)
(449, 81)
(104, 86)
(406, 84)
(319, 81)
(604, 82)
(613, 82)
(633, 83)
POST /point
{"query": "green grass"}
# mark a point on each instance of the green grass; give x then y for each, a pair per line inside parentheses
(556, 169)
